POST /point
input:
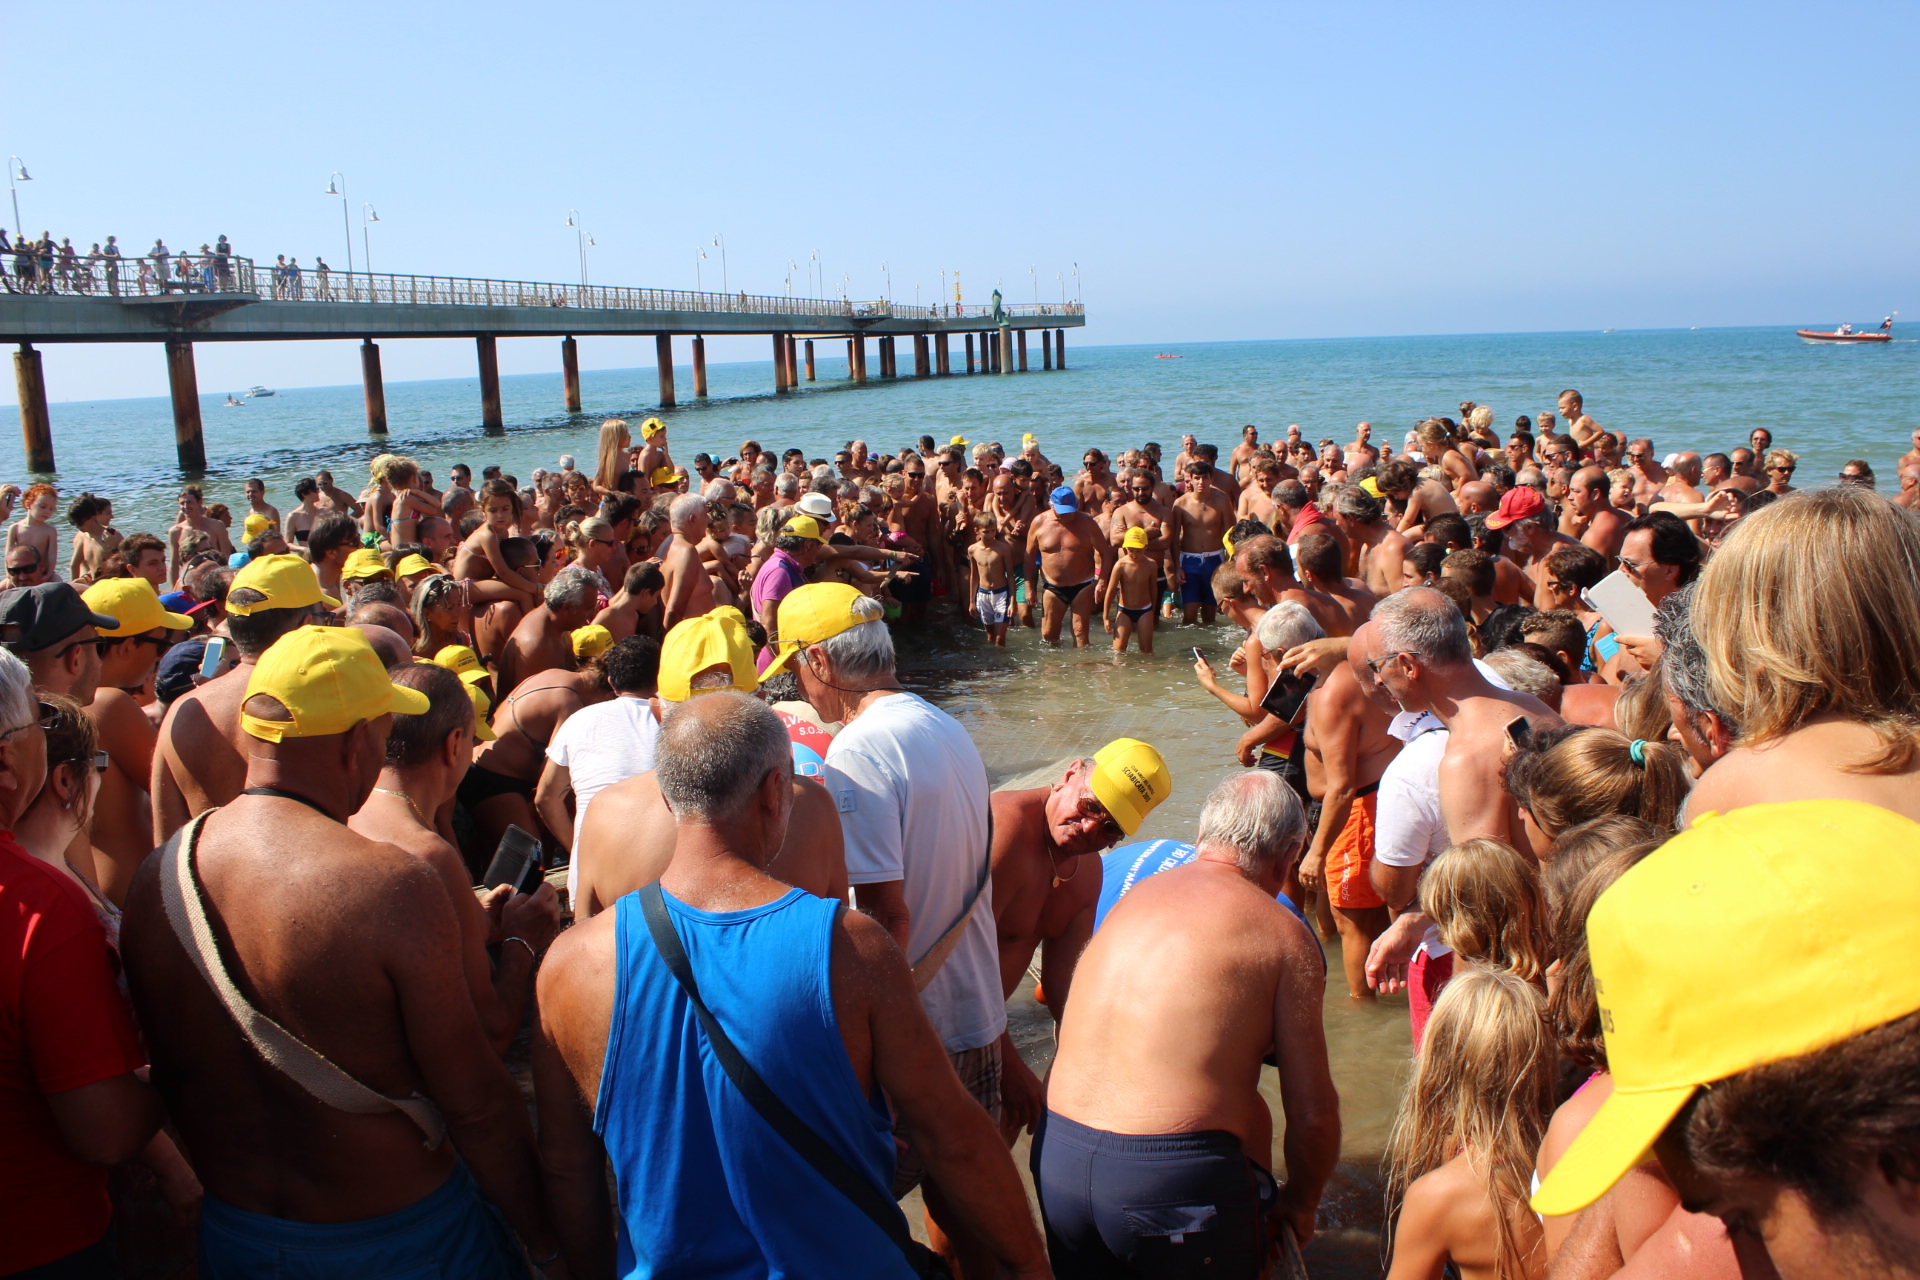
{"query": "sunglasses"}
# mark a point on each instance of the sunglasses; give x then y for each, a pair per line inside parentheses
(47, 715)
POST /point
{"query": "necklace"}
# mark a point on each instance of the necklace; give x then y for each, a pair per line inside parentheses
(421, 818)
(1057, 880)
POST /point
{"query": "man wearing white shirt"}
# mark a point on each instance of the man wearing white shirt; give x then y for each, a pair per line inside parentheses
(605, 743)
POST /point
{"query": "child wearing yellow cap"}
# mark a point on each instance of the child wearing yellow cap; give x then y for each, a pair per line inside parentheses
(1133, 588)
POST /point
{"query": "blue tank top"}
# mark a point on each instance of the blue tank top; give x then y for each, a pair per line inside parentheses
(1123, 868)
(706, 1187)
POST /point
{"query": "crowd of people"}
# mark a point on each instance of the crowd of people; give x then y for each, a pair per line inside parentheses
(1606, 759)
(46, 265)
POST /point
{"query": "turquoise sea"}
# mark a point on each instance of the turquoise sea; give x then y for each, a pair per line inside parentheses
(1703, 389)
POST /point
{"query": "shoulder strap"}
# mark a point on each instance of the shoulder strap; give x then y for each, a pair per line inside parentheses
(812, 1148)
(279, 1047)
(929, 964)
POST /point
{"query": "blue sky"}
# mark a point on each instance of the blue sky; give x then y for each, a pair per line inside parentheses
(1218, 171)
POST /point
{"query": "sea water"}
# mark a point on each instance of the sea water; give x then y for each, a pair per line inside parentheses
(1028, 708)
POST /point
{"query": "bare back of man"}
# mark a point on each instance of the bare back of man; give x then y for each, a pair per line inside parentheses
(199, 762)
(627, 838)
(688, 592)
(353, 947)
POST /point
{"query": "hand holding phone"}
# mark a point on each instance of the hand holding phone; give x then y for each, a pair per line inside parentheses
(517, 856)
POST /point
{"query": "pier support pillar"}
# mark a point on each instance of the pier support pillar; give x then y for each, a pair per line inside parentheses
(699, 367)
(188, 439)
(570, 372)
(375, 389)
(889, 357)
(942, 357)
(781, 374)
(1046, 349)
(1059, 348)
(1023, 351)
(1004, 353)
(793, 361)
(489, 383)
(921, 368)
(969, 353)
(809, 359)
(36, 432)
(859, 357)
(663, 358)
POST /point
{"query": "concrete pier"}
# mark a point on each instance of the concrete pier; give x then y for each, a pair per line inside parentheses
(699, 367)
(375, 389)
(942, 357)
(859, 346)
(1046, 349)
(780, 373)
(1059, 348)
(809, 359)
(793, 361)
(570, 372)
(1023, 351)
(36, 430)
(1004, 350)
(969, 353)
(663, 358)
(921, 365)
(489, 358)
(188, 439)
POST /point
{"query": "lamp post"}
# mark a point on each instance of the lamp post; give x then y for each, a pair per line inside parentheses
(1060, 278)
(792, 267)
(16, 170)
(337, 186)
(699, 256)
(813, 269)
(1076, 282)
(366, 244)
(1034, 272)
(887, 271)
(720, 243)
(581, 242)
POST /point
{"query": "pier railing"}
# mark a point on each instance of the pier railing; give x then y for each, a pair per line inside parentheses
(194, 273)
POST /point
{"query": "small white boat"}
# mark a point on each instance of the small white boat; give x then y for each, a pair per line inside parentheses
(232, 403)
(254, 393)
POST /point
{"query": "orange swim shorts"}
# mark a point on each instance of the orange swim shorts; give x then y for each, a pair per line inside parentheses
(1348, 884)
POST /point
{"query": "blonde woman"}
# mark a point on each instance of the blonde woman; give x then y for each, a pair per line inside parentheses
(1462, 1147)
(615, 441)
(1810, 618)
(1571, 775)
(593, 543)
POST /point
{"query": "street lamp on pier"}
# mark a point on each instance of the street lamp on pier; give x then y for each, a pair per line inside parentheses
(366, 244)
(16, 171)
(582, 241)
(337, 186)
(720, 243)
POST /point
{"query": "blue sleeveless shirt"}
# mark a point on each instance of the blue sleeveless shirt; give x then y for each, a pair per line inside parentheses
(706, 1187)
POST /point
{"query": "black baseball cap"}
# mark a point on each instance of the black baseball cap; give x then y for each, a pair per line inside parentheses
(35, 618)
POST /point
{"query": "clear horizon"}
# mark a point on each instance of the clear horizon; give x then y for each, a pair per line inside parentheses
(1239, 172)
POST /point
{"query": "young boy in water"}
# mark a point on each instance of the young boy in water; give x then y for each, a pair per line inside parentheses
(1133, 586)
(990, 565)
(35, 529)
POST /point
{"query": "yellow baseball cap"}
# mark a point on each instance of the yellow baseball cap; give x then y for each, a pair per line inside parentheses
(804, 527)
(663, 476)
(957, 442)
(413, 562)
(329, 679)
(1129, 778)
(462, 661)
(254, 525)
(364, 563)
(812, 613)
(1725, 949)
(1371, 487)
(287, 582)
(651, 428)
(715, 639)
(1134, 538)
(591, 641)
(482, 708)
(1027, 440)
(135, 603)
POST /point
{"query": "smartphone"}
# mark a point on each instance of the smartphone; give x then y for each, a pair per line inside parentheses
(211, 660)
(514, 861)
(1287, 694)
(1517, 731)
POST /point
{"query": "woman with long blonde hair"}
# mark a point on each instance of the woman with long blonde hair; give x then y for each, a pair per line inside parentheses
(1461, 1152)
(1809, 615)
(615, 441)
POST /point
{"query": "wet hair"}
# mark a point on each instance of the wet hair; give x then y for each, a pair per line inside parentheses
(1574, 774)
(414, 740)
(1482, 1084)
(1484, 896)
(632, 665)
(1812, 607)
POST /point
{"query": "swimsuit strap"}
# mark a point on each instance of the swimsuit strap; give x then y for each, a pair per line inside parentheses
(278, 794)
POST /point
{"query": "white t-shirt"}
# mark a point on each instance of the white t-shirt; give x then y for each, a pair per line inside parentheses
(1409, 830)
(912, 795)
(600, 745)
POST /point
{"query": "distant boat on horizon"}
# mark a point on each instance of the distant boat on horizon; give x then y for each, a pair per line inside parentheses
(1845, 333)
(1166, 356)
(254, 393)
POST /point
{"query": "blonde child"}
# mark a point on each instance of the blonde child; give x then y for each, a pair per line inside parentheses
(35, 529)
(1484, 897)
(1133, 588)
(990, 563)
(1461, 1151)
